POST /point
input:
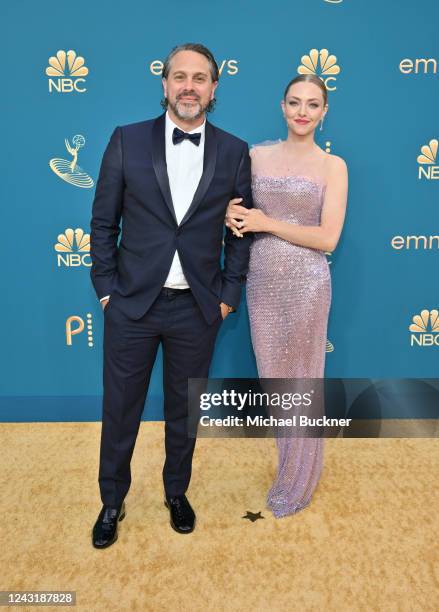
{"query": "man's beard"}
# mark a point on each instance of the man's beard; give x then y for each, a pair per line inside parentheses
(186, 111)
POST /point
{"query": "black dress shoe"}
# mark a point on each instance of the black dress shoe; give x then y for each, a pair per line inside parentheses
(105, 529)
(182, 515)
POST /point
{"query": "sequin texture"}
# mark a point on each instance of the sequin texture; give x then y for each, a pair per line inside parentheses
(288, 297)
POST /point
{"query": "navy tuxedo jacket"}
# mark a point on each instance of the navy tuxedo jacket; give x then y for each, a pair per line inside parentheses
(133, 192)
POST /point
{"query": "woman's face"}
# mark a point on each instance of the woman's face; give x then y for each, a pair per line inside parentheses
(303, 107)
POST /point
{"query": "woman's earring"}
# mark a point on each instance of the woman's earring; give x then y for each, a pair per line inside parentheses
(321, 125)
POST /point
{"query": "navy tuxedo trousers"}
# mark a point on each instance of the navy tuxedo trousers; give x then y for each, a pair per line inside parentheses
(130, 349)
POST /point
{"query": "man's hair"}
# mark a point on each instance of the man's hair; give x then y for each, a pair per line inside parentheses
(198, 48)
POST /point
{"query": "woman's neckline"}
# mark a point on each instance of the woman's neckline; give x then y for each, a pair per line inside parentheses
(290, 176)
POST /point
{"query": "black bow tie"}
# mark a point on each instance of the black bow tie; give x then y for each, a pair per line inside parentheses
(178, 136)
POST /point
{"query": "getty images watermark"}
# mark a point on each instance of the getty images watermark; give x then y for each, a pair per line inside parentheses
(317, 407)
(273, 401)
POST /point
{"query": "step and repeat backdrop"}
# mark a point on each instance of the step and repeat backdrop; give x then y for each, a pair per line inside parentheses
(74, 75)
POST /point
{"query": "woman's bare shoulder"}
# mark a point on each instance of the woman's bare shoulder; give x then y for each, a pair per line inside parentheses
(336, 164)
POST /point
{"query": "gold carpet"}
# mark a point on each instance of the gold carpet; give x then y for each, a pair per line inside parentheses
(367, 541)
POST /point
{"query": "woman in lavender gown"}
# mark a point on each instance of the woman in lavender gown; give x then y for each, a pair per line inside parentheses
(300, 195)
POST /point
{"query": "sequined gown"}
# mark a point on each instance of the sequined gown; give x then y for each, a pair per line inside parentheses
(288, 297)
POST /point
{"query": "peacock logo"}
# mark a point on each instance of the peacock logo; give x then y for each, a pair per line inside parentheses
(68, 170)
(66, 72)
(73, 248)
(329, 346)
(76, 325)
(322, 64)
(427, 161)
(425, 328)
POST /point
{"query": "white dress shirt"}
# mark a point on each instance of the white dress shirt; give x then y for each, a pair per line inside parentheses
(185, 167)
(184, 163)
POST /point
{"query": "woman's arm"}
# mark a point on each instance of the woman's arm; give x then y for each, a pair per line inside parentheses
(323, 237)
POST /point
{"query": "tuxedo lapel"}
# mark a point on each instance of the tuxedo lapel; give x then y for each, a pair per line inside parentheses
(159, 162)
(209, 163)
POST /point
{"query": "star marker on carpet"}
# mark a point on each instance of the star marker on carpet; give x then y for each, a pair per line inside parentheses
(253, 516)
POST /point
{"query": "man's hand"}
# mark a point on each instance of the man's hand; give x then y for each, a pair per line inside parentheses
(229, 221)
(225, 310)
(104, 303)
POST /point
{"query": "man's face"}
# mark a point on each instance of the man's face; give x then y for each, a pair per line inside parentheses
(189, 87)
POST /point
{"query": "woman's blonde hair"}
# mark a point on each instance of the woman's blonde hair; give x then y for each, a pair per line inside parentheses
(309, 78)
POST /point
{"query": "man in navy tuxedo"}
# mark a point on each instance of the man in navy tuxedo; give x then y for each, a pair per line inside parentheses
(169, 181)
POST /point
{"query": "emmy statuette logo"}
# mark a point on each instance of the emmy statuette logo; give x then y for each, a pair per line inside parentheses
(425, 329)
(69, 170)
(427, 161)
(75, 326)
(73, 249)
(68, 71)
(322, 64)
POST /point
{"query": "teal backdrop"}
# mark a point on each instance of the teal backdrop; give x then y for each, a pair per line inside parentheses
(382, 117)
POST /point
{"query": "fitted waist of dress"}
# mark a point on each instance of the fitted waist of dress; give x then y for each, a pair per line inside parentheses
(268, 251)
(264, 237)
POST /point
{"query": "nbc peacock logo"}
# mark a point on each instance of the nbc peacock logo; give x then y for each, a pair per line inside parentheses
(68, 170)
(73, 249)
(425, 328)
(66, 72)
(322, 64)
(427, 161)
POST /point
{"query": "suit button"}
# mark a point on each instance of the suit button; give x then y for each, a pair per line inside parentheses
(177, 231)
